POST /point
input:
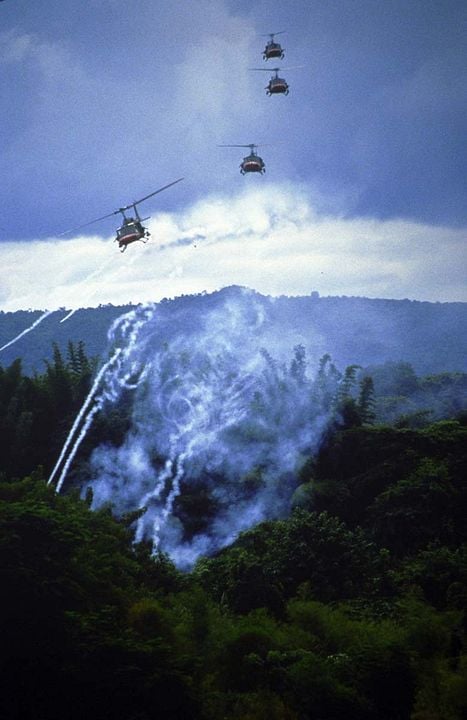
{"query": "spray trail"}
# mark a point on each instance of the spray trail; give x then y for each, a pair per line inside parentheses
(87, 424)
(120, 372)
(31, 327)
(157, 513)
(215, 417)
(149, 501)
(72, 312)
(81, 413)
(91, 276)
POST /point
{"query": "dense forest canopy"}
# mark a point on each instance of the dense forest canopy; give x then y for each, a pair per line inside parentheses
(344, 598)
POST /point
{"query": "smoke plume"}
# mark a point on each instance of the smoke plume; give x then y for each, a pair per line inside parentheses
(218, 425)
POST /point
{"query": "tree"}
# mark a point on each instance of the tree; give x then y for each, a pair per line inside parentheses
(266, 566)
(82, 636)
(366, 400)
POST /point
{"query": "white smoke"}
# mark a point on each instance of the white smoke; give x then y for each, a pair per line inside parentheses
(28, 329)
(214, 416)
(114, 376)
(85, 301)
(79, 419)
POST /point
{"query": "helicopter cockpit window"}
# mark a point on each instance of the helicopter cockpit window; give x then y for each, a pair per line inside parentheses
(126, 230)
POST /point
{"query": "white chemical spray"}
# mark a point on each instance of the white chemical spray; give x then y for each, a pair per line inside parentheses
(112, 378)
(28, 329)
(217, 426)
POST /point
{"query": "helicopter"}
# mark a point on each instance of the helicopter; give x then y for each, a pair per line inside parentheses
(273, 49)
(252, 162)
(276, 84)
(132, 228)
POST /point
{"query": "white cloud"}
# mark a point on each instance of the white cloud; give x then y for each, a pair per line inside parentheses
(271, 239)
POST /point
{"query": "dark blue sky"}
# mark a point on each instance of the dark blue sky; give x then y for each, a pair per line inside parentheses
(102, 101)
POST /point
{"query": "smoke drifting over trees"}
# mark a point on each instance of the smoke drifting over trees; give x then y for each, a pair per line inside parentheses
(215, 414)
(203, 408)
(432, 337)
(333, 578)
(220, 412)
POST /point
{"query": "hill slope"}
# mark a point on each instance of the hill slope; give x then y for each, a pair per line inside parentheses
(430, 336)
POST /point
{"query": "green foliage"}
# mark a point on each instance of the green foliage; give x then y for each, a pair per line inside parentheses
(267, 565)
(439, 572)
(413, 511)
(36, 413)
(94, 626)
(366, 401)
(81, 636)
(406, 487)
(352, 607)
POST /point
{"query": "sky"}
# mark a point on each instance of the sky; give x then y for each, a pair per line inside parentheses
(103, 101)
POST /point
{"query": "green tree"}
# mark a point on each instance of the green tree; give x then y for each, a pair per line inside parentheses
(81, 634)
(366, 400)
(267, 565)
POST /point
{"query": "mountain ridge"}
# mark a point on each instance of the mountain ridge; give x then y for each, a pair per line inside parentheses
(352, 329)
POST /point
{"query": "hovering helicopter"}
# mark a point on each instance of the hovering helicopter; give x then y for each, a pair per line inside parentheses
(132, 228)
(252, 162)
(273, 49)
(276, 84)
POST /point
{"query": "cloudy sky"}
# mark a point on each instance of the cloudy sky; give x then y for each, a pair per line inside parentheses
(103, 101)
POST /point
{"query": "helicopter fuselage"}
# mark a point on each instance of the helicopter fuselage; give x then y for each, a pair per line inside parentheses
(277, 86)
(131, 231)
(273, 50)
(252, 163)
(132, 228)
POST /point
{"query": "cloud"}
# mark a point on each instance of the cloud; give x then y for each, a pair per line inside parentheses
(272, 239)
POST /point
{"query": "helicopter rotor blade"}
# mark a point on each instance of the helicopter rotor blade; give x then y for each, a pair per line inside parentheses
(277, 69)
(120, 210)
(137, 202)
(91, 222)
(280, 32)
(256, 145)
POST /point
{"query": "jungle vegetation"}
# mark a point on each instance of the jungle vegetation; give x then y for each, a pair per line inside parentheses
(352, 607)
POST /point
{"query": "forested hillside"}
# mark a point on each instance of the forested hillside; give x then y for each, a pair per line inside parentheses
(347, 603)
(351, 607)
(432, 337)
